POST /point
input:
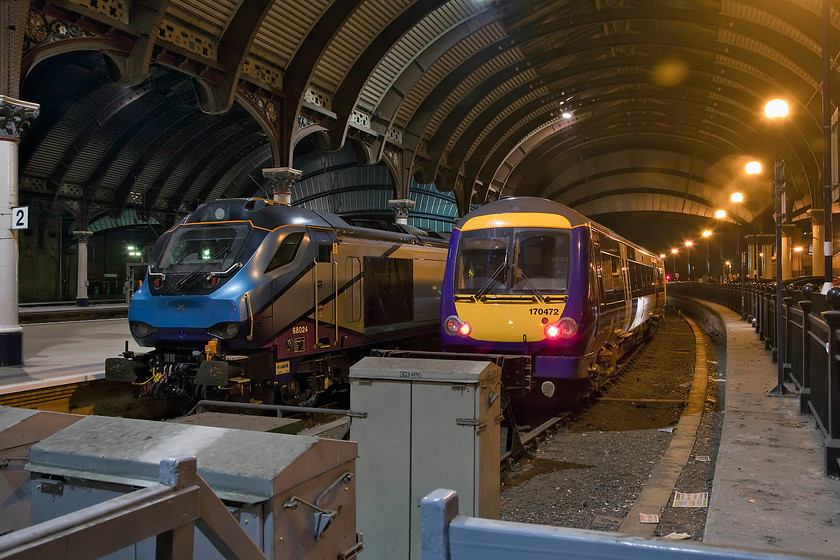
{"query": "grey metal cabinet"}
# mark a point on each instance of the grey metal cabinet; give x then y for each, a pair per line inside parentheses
(422, 424)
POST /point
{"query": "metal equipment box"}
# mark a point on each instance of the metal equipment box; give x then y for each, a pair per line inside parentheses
(422, 424)
(257, 476)
(19, 430)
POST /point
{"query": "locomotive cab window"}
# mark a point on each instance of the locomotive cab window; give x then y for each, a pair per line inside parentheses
(513, 261)
(481, 257)
(286, 251)
(541, 259)
(212, 248)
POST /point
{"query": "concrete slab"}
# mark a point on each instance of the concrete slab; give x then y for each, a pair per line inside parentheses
(242, 422)
(770, 489)
(66, 352)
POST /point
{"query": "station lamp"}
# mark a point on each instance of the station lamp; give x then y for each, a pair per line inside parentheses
(777, 109)
(688, 245)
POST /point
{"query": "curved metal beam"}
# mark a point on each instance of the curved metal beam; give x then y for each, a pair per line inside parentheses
(388, 106)
(555, 149)
(95, 126)
(228, 160)
(455, 155)
(299, 71)
(480, 156)
(347, 93)
(209, 152)
(206, 126)
(151, 119)
(233, 48)
(78, 82)
(145, 18)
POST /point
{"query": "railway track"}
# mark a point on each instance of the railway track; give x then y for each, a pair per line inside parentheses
(524, 442)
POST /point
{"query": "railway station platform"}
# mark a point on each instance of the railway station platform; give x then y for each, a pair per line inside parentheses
(65, 352)
(770, 489)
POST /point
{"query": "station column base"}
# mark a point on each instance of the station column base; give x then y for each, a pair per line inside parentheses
(11, 349)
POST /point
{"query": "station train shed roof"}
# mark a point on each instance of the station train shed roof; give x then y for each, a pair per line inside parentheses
(649, 107)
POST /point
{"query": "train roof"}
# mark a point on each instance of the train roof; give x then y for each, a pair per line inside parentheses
(543, 205)
(269, 214)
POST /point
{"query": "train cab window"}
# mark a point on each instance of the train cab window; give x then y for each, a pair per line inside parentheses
(286, 251)
(541, 259)
(513, 261)
(482, 255)
(210, 247)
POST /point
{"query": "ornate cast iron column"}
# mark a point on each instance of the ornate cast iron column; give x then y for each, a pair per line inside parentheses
(818, 241)
(82, 273)
(14, 115)
(786, 252)
(282, 180)
(401, 208)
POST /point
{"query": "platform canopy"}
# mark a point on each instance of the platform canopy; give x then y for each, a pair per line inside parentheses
(609, 106)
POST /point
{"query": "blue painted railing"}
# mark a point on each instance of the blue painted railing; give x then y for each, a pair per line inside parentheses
(448, 536)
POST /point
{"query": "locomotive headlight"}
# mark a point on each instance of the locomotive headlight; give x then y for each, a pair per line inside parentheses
(224, 330)
(141, 329)
(564, 328)
(547, 388)
(454, 325)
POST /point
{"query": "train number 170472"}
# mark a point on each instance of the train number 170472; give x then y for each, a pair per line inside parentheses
(543, 311)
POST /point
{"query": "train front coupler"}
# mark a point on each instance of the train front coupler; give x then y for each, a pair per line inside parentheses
(130, 367)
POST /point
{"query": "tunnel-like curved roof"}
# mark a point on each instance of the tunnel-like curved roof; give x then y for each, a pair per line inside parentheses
(608, 106)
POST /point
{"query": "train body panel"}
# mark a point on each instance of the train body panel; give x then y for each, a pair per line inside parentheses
(531, 276)
(284, 293)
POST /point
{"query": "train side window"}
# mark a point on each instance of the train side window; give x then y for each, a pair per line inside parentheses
(634, 279)
(618, 278)
(324, 252)
(286, 251)
(613, 278)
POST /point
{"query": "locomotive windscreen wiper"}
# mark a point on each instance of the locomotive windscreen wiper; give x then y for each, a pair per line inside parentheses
(182, 283)
(518, 270)
(487, 285)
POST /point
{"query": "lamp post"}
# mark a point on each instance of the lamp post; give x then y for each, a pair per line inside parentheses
(688, 245)
(674, 252)
(728, 265)
(720, 215)
(738, 198)
(706, 235)
(777, 109)
(798, 252)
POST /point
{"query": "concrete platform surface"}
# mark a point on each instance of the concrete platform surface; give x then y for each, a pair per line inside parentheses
(770, 489)
(66, 352)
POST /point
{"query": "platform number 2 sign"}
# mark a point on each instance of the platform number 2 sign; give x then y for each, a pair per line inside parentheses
(20, 217)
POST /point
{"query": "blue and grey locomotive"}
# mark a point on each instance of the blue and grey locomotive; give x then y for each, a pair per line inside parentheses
(249, 295)
(532, 277)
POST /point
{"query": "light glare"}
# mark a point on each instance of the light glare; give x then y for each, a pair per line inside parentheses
(753, 168)
(776, 109)
(737, 197)
(720, 214)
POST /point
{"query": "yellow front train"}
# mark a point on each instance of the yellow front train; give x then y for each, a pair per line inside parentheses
(531, 276)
